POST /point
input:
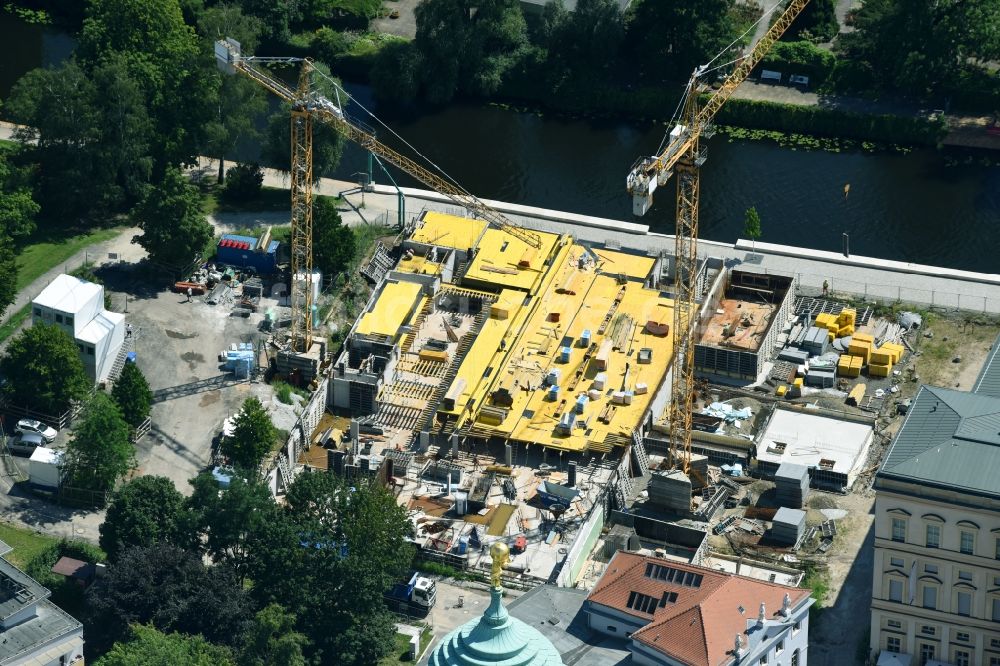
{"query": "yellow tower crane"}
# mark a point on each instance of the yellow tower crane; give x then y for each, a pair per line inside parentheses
(309, 104)
(683, 155)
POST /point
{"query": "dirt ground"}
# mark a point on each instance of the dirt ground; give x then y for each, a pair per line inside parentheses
(956, 336)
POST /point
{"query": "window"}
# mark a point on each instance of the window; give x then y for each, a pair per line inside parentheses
(895, 590)
(995, 643)
(961, 637)
(642, 602)
(90, 351)
(780, 647)
(894, 624)
(926, 653)
(69, 320)
(964, 604)
(763, 660)
(38, 312)
(996, 581)
(796, 627)
(996, 610)
(996, 547)
(933, 536)
(672, 575)
(612, 628)
(965, 575)
(893, 644)
(897, 562)
(930, 596)
(80, 347)
(899, 533)
(927, 630)
(961, 658)
(795, 657)
(967, 542)
(58, 318)
(930, 568)
(994, 661)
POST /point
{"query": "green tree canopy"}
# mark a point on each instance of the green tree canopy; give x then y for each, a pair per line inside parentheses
(99, 452)
(17, 207)
(131, 393)
(232, 521)
(253, 436)
(330, 560)
(333, 242)
(146, 646)
(272, 639)
(8, 272)
(174, 229)
(922, 47)
(146, 510)
(586, 40)
(751, 225)
(43, 369)
(162, 53)
(172, 590)
(818, 21)
(672, 38)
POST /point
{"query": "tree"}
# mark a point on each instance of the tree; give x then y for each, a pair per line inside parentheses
(272, 639)
(59, 127)
(330, 560)
(253, 436)
(672, 38)
(151, 40)
(239, 101)
(174, 229)
(243, 182)
(586, 39)
(233, 520)
(922, 48)
(147, 510)
(8, 273)
(172, 590)
(100, 452)
(751, 226)
(396, 72)
(333, 242)
(818, 21)
(148, 647)
(443, 36)
(131, 393)
(17, 207)
(43, 369)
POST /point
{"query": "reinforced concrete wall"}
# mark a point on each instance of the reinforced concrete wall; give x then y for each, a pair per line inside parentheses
(586, 537)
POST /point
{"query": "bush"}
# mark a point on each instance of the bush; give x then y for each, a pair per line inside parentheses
(243, 182)
(328, 43)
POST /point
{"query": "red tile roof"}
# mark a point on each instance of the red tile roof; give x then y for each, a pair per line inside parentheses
(700, 627)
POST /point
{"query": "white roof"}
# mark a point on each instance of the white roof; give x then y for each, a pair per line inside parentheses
(809, 438)
(67, 294)
(44, 455)
(100, 326)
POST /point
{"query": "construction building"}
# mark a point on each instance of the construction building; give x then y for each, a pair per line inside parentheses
(936, 580)
(77, 307)
(741, 325)
(673, 613)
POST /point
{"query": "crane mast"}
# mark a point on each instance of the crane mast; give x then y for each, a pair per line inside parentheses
(309, 105)
(682, 154)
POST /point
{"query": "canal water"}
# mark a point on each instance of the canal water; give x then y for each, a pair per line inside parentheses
(926, 206)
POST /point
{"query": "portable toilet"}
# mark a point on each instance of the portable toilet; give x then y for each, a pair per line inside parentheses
(585, 338)
(564, 353)
(599, 380)
(581, 403)
(553, 392)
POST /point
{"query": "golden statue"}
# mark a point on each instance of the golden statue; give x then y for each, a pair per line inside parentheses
(501, 556)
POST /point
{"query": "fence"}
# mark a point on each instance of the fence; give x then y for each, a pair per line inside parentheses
(911, 290)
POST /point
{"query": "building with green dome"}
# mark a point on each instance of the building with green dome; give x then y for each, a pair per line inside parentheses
(496, 639)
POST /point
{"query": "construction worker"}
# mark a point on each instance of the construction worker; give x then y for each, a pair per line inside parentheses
(189, 295)
(826, 287)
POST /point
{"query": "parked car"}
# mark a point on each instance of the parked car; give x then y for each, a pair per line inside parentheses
(38, 428)
(25, 442)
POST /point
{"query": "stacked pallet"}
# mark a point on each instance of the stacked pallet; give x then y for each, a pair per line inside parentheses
(862, 345)
(837, 325)
(849, 365)
(815, 341)
(788, 525)
(883, 358)
(791, 485)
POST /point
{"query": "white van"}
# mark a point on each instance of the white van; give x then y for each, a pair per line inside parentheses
(25, 442)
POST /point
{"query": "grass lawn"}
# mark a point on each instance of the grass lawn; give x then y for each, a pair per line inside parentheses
(36, 259)
(11, 325)
(26, 543)
(403, 649)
